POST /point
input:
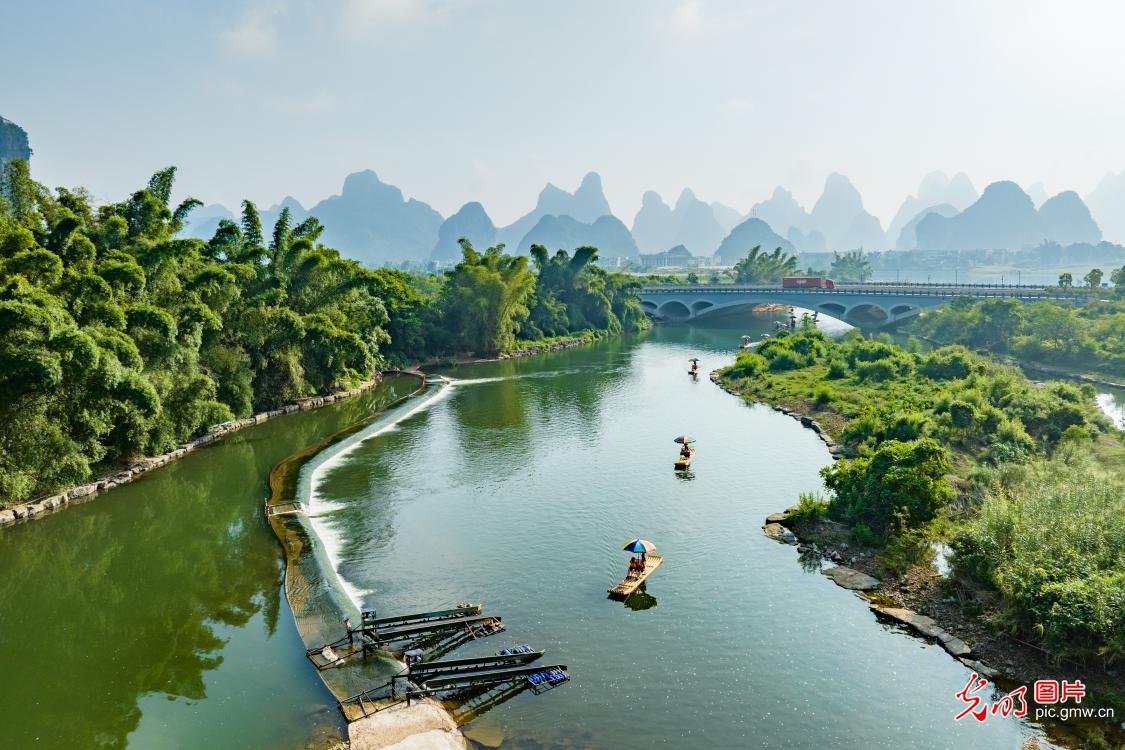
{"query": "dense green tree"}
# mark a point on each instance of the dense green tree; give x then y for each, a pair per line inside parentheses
(764, 268)
(486, 296)
(118, 339)
(850, 268)
(898, 478)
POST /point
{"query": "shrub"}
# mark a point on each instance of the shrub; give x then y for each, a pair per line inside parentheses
(786, 360)
(862, 535)
(837, 369)
(748, 365)
(824, 395)
(909, 426)
(870, 351)
(948, 363)
(906, 547)
(1054, 546)
(962, 414)
(879, 371)
(864, 427)
(810, 507)
(899, 477)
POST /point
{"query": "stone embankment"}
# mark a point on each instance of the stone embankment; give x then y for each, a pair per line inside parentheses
(43, 506)
(778, 527)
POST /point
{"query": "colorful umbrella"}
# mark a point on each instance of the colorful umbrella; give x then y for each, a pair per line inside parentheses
(693, 359)
(640, 545)
(684, 439)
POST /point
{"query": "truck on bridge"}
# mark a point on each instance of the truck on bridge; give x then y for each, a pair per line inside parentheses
(807, 282)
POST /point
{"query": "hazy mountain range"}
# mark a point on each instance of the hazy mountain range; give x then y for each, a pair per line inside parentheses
(373, 222)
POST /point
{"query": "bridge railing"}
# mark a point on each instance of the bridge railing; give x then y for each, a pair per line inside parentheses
(898, 290)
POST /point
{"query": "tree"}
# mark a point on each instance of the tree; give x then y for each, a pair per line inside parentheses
(764, 268)
(899, 480)
(851, 267)
(486, 297)
(1066, 281)
(1118, 278)
(119, 339)
(1093, 279)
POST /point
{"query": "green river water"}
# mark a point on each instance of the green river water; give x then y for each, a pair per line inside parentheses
(155, 617)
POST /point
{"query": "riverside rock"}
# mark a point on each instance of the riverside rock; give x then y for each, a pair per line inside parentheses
(779, 533)
(851, 579)
(927, 627)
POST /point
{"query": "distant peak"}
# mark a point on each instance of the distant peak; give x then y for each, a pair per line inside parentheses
(652, 198)
(360, 180)
(687, 196)
(837, 181)
(591, 181)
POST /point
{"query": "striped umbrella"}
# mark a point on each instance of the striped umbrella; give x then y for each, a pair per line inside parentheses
(684, 439)
(639, 545)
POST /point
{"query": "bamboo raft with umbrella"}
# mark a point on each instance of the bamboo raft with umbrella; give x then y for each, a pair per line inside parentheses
(682, 462)
(632, 582)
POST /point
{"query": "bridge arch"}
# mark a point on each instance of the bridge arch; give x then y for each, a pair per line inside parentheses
(835, 309)
(674, 310)
(700, 306)
(867, 315)
(899, 311)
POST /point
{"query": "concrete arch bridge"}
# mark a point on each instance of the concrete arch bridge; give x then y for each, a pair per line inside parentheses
(870, 306)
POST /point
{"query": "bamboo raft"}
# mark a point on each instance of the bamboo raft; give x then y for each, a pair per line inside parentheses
(683, 463)
(629, 585)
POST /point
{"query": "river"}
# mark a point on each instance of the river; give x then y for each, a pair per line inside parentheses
(154, 617)
(516, 487)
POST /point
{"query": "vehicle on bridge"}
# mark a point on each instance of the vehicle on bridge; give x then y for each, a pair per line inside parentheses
(807, 282)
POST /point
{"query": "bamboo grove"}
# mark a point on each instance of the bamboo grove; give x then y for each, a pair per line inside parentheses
(119, 338)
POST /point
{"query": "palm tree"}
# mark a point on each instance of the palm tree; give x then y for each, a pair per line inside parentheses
(763, 268)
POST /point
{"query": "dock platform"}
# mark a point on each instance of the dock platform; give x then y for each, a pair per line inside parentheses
(629, 585)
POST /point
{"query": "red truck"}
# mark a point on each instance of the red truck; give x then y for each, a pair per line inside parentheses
(807, 282)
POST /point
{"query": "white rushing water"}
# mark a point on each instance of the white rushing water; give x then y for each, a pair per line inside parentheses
(320, 511)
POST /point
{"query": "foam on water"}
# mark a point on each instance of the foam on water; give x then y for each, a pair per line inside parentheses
(320, 510)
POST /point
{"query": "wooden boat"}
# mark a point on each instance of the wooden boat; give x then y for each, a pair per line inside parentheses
(629, 585)
(683, 463)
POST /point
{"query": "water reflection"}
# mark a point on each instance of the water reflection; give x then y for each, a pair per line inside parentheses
(138, 595)
(640, 599)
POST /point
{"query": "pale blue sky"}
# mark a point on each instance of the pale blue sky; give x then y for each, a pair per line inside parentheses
(487, 100)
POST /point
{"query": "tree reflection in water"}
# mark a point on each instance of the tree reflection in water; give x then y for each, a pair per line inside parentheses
(125, 597)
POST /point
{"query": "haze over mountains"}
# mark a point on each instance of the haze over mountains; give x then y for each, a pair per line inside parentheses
(375, 223)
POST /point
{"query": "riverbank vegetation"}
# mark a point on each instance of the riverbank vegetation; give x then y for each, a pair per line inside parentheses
(951, 445)
(1086, 338)
(119, 338)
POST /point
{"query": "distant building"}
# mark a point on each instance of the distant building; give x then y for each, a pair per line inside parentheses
(676, 257)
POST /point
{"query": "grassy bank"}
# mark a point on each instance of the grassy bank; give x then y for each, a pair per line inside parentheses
(1024, 481)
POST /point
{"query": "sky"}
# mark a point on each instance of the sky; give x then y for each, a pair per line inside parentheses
(488, 100)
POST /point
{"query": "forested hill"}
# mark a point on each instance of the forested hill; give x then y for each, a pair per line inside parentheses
(119, 339)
